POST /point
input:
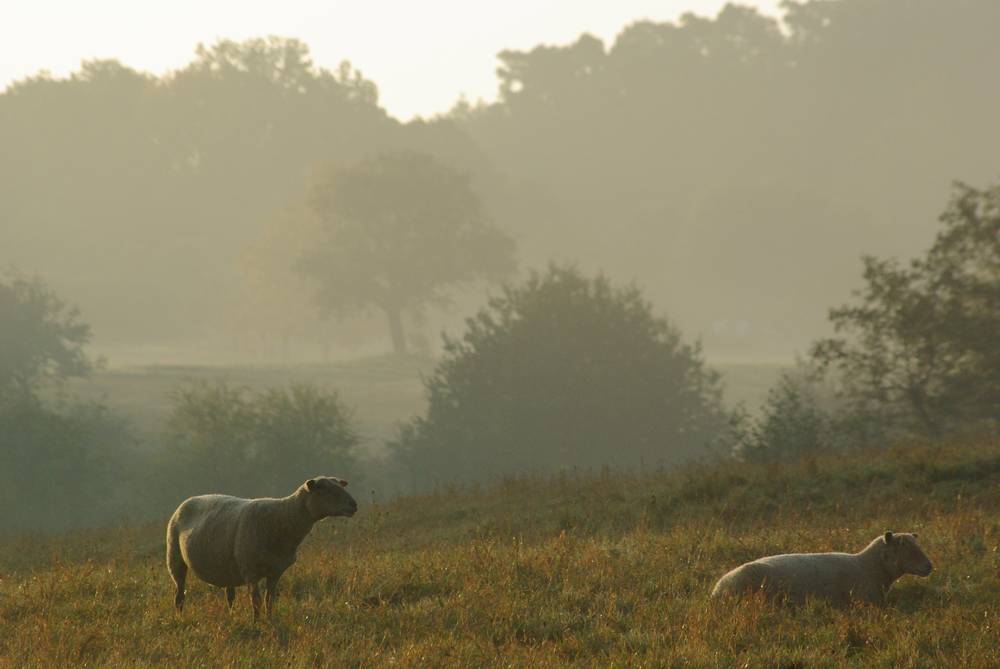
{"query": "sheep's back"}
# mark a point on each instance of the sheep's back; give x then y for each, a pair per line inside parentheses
(207, 526)
(833, 576)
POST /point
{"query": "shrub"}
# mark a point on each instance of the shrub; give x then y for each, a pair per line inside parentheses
(227, 439)
(301, 432)
(560, 372)
(61, 464)
(62, 467)
(791, 422)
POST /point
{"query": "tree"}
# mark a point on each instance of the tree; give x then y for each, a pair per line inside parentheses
(41, 338)
(190, 164)
(232, 440)
(916, 351)
(276, 299)
(301, 432)
(791, 423)
(401, 231)
(683, 153)
(559, 372)
(211, 429)
(77, 453)
(83, 457)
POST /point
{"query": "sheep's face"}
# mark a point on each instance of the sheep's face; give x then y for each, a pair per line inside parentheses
(327, 496)
(904, 556)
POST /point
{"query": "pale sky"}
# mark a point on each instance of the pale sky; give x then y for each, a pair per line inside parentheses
(422, 54)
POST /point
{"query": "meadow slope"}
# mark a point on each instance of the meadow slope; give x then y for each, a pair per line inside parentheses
(585, 569)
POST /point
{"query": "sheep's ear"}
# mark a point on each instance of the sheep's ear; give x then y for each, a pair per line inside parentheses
(342, 482)
(888, 537)
(311, 485)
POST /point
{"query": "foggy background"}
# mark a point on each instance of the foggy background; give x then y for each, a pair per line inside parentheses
(735, 166)
(233, 255)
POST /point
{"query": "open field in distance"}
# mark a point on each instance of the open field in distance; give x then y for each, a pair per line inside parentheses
(382, 390)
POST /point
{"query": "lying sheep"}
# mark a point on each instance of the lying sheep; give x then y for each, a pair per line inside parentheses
(838, 577)
(230, 541)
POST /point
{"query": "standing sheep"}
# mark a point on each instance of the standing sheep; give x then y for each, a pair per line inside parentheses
(229, 541)
(837, 577)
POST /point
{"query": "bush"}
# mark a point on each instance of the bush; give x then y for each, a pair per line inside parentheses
(791, 423)
(562, 372)
(226, 439)
(62, 467)
(300, 433)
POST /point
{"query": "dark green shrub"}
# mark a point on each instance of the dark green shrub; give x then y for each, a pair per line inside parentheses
(791, 423)
(227, 439)
(63, 467)
(562, 372)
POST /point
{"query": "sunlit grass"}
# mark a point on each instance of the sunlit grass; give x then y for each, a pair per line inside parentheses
(579, 570)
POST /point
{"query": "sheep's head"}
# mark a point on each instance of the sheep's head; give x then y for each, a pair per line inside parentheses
(904, 556)
(328, 496)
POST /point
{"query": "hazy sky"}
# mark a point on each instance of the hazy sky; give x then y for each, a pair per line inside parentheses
(422, 55)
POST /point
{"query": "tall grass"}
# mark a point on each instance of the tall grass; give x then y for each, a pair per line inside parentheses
(583, 569)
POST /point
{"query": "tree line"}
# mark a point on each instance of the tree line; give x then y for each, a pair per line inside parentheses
(556, 373)
(699, 153)
(144, 199)
(732, 167)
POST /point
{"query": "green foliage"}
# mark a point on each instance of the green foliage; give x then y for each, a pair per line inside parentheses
(63, 467)
(41, 339)
(60, 462)
(211, 428)
(302, 432)
(401, 231)
(915, 353)
(790, 423)
(562, 371)
(227, 439)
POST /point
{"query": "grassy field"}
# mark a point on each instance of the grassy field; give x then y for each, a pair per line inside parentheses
(602, 570)
(381, 390)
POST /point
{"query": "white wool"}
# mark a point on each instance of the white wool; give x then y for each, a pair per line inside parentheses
(230, 541)
(838, 577)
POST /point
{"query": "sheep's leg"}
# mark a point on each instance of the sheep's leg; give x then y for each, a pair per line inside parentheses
(179, 578)
(176, 565)
(255, 598)
(230, 596)
(270, 592)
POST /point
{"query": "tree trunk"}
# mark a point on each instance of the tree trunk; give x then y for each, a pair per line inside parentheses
(918, 400)
(396, 330)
